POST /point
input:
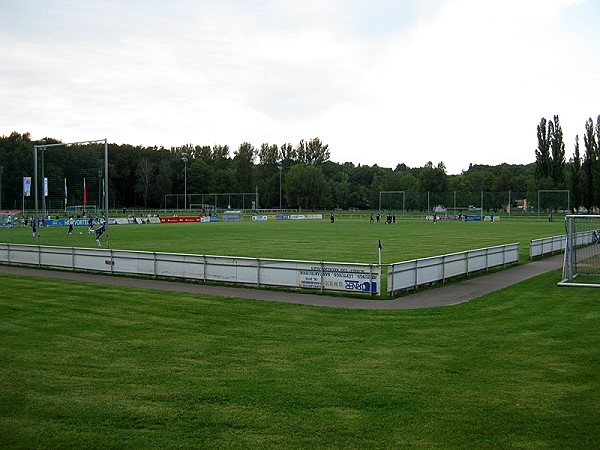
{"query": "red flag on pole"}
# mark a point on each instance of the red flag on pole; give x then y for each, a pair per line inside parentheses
(84, 193)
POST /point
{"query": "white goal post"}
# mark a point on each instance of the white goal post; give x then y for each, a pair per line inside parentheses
(581, 266)
(393, 205)
(40, 148)
(553, 200)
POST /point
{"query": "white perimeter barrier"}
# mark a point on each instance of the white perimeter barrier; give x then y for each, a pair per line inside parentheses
(546, 246)
(324, 276)
(554, 244)
(419, 272)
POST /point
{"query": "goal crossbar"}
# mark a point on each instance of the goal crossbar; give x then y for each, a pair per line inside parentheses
(391, 193)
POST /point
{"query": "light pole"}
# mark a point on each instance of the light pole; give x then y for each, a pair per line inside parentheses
(1, 170)
(42, 148)
(184, 158)
(280, 165)
(99, 189)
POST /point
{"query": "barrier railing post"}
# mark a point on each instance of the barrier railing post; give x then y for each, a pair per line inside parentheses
(416, 274)
(443, 269)
(257, 272)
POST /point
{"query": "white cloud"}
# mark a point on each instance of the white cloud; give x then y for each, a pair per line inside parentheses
(381, 82)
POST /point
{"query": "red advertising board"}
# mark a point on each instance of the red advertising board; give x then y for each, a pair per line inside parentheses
(179, 219)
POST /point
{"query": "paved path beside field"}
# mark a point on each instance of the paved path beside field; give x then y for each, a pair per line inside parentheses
(447, 295)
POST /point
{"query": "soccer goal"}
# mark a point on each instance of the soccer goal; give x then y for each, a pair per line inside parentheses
(581, 265)
(392, 200)
(68, 178)
(551, 201)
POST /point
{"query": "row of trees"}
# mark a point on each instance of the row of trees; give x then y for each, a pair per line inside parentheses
(289, 175)
(581, 175)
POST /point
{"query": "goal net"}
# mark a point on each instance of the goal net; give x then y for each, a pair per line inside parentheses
(68, 180)
(392, 200)
(581, 265)
(553, 201)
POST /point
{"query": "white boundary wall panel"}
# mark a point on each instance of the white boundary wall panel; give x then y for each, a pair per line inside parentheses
(280, 273)
(419, 272)
(57, 257)
(177, 265)
(137, 263)
(456, 264)
(231, 269)
(554, 244)
(430, 270)
(511, 253)
(325, 276)
(94, 259)
(546, 246)
(21, 254)
(477, 260)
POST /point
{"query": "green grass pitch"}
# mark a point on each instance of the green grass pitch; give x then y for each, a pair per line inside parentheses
(85, 366)
(346, 240)
(88, 366)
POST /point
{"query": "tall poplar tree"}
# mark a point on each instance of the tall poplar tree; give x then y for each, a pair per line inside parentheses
(575, 179)
(590, 162)
(542, 153)
(557, 146)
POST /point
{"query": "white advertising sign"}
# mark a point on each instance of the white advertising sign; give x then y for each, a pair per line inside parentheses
(347, 279)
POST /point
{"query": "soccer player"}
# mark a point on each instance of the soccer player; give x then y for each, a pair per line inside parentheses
(99, 233)
(71, 224)
(90, 225)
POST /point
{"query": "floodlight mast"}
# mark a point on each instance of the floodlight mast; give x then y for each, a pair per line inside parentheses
(35, 176)
(184, 158)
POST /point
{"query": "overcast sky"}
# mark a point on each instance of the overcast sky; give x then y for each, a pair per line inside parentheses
(381, 81)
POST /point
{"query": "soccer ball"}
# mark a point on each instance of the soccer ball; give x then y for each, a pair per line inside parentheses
(80, 232)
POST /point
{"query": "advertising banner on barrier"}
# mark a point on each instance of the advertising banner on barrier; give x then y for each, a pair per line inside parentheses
(260, 218)
(297, 216)
(178, 219)
(347, 279)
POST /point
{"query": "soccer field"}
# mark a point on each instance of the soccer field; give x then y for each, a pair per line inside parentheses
(346, 240)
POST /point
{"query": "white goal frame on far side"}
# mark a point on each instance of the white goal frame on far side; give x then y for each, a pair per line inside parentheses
(394, 192)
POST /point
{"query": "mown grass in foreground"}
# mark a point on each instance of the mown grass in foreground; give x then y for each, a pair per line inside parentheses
(85, 366)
